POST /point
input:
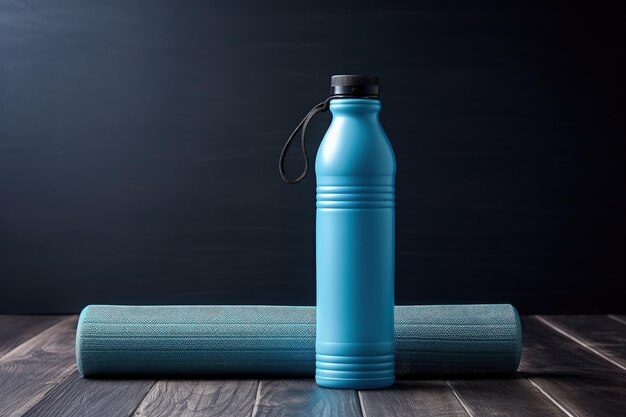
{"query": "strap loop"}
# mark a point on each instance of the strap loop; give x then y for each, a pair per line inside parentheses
(320, 107)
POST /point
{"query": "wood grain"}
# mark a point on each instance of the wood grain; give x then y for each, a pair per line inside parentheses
(563, 376)
(601, 334)
(504, 396)
(412, 398)
(35, 367)
(15, 330)
(78, 397)
(195, 398)
(580, 381)
(302, 397)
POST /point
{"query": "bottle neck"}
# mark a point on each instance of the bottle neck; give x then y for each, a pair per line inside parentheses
(355, 107)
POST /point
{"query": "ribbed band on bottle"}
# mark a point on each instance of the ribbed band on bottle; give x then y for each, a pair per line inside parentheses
(350, 196)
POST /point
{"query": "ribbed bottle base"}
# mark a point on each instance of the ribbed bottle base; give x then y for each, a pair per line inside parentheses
(354, 372)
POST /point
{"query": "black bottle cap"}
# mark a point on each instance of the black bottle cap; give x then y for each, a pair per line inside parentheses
(354, 85)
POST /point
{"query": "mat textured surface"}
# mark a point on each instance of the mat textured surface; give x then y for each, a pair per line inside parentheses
(280, 340)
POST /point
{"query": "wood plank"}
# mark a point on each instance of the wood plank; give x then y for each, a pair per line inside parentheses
(78, 396)
(581, 382)
(302, 397)
(412, 398)
(513, 395)
(618, 317)
(35, 367)
(15, 330)
(600, 334)
(191, 398)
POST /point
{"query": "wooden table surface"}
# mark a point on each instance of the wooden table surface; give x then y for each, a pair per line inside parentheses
(571, 366)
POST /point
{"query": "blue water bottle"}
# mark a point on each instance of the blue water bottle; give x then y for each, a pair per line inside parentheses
(355, 235)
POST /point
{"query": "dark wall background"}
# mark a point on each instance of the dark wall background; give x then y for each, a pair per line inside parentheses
(139, 145)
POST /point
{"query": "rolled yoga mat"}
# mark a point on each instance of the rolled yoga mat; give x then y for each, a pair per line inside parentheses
(280, 340)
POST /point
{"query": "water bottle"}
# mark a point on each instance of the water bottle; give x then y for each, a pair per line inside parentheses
(355, 239)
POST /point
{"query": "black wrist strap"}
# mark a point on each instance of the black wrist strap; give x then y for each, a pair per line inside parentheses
(320, 107)
(323, 106)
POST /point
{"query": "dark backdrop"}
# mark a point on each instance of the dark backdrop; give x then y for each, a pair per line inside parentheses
(139, 143)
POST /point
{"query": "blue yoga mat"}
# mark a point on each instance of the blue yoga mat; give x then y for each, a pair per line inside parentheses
(280, 340)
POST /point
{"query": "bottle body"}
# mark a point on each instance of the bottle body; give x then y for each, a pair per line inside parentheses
(355, 244)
